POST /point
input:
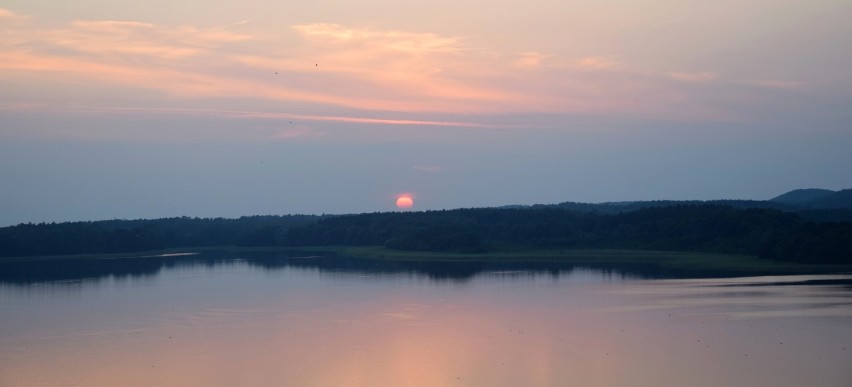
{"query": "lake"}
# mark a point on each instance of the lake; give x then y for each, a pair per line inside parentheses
(267, 319)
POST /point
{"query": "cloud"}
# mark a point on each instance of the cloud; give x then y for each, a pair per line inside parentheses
(530, 59)
(417, 71)
(111, 26)
(114, 37)
(326, 64)
(347, 67)
(390, 40)
(378, 76)
(596, 63)
(6, 14)
(291, 118)
(107, 37)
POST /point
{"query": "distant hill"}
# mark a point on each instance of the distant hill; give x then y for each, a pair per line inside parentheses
(813, 204)
(839, 199)
(802, 196)
(619, 207)
(813, 198)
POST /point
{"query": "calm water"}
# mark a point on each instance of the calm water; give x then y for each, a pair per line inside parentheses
(266, 320)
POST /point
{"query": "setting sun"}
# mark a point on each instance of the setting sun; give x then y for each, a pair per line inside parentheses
(404, 202)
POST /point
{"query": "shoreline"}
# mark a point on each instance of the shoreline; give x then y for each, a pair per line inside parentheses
(666, 260)
(605, 258)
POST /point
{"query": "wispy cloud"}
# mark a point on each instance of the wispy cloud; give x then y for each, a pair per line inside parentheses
(290, 118)
(6, 14)
(391, 40)
(530, 59)
(333, 66)
(420, 69)
(597, 63)
(112, 36)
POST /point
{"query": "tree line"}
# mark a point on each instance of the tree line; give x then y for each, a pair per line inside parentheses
(763, 232)
(766, 233)
(118, 236)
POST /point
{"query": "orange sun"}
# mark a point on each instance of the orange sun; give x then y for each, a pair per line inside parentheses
(404, 202)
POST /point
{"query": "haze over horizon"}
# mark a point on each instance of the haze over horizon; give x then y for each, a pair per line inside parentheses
(158, 109)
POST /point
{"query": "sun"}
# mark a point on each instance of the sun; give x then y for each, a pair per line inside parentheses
(404, 202)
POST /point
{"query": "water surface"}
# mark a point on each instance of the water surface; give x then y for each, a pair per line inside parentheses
(230, 319)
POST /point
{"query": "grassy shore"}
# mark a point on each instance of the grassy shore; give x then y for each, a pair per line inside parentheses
(694, 262)
(125, 255)
(666, 260)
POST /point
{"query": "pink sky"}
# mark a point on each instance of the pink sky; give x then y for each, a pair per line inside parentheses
(654, 59)
(517, 74)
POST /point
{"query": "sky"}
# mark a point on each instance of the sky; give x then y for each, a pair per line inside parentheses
(127, 109)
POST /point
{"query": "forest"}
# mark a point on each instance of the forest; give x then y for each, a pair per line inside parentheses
(118, 236)
(762, 232)
(766, 233)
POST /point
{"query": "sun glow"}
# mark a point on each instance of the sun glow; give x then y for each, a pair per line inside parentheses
(404, 202)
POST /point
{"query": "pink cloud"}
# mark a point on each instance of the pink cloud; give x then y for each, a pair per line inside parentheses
(6, 14)
(291, 118)
(596, 63)
(380, 39)
(378, 70)
(530, 59)
(331, 65)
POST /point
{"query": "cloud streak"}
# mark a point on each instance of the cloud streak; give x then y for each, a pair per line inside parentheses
(244, 114)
